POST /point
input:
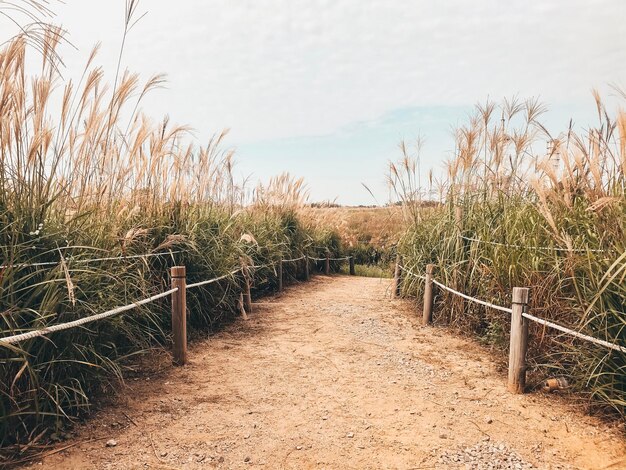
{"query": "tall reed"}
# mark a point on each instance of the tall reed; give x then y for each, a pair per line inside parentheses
(554, 222)
(84, 174)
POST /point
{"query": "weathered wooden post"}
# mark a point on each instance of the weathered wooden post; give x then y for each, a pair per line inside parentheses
(519, 341)
(247, 296)
(327, 264)
(397, 278)
(429, 298)
(279, 273)
(307, 273)
(179, 315)
(352, 271)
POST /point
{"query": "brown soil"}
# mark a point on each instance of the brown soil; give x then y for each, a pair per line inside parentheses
(334, 374)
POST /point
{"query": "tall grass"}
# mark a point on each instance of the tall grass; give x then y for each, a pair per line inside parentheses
(369, 234)
(84, 174)
(555, 223)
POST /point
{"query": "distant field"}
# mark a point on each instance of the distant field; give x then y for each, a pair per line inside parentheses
(378, 227)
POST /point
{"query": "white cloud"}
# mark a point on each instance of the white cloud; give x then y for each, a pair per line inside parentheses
(278, 68)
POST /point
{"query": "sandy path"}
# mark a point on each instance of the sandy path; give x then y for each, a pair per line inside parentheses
(334, 374)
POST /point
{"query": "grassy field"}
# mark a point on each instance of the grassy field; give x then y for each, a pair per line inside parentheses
(96, 179)
(85, 175)
(370, 234)
(556, 224)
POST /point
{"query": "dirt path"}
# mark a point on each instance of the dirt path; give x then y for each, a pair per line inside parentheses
(334, 374)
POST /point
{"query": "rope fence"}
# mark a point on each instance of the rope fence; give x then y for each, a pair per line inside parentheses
(82, 321)
(591, 339)
(86, 261)
(293, 260)
(519, 316)
(178, 295)
(473, 299)
(345, 258)
(538, 248)
(412, 274)
(216, 279)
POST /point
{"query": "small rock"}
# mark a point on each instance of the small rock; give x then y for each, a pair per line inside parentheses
(489, 420)
(350, 435)
(163, 454)
(442, 436)
(298, 447)
(247, 459)
(111, 443)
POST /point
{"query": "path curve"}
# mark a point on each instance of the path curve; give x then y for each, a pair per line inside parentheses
(335, 374)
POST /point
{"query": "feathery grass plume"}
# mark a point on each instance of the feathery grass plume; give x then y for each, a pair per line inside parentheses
(95, 178)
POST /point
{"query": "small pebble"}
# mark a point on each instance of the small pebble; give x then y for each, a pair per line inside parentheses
(111, 443)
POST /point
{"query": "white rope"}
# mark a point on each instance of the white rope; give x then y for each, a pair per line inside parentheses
(91, 260)
(411, 273)
(210, 281)
(293, 260)
(261, 266)
(539, 248)
(331, 259)
(473, 299)
(64, 326)
(82, 321)
(547, 323)
(591, 339)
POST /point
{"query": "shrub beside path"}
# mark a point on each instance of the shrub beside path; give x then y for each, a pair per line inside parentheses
(335, 374)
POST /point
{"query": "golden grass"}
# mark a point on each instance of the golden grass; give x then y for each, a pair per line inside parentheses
(378, 227)
(553, 222)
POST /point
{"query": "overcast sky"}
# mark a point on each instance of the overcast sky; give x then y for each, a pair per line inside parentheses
(326, 89)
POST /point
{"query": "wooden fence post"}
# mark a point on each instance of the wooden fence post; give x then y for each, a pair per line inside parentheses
(352, 271)
(397, 278)
(307, 273)
(429, 298)
(280, 275)
(179, 315)
(519, 341)
(327, 265)
(247, 296)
